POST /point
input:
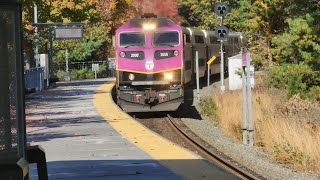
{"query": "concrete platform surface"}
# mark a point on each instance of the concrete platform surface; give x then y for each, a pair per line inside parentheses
(79, 143)
(87, 136)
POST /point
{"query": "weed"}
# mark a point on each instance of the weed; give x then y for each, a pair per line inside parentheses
(209, 108)
(285, 152)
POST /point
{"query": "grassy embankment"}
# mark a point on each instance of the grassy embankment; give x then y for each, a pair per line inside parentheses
(289, 130)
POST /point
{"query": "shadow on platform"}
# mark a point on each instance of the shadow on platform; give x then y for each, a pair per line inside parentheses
(131, 170)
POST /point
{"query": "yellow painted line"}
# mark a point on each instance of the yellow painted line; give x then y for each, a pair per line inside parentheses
(124, 70)
(211, 60)
(179, 160)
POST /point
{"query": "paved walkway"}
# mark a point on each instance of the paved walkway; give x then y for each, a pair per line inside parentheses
(79, 143)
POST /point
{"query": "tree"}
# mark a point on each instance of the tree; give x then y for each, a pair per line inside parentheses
(199, 14)
(65, 11)
(300, 43)
(114, 13)
(164, 8)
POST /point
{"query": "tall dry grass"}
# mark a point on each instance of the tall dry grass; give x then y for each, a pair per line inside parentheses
(288, 130)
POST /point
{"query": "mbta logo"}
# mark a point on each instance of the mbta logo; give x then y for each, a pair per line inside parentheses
(149, 65)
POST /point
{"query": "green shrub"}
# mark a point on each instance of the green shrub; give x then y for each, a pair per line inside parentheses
(74, 75)
(209, 108)
(82, 74)
(60, 75)
(103, 70)
(314, 92)
(295, 78)
(89, 74)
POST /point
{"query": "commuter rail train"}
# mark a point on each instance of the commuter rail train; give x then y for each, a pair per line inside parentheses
(155, 59)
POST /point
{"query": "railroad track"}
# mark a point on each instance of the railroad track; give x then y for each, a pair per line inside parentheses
(209, 155)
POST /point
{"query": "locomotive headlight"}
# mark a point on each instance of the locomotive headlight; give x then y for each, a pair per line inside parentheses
(152, 26)
(146, 26)
(131, 77)
(168, 76)
(149, 26)
(122, 54)
(176, 53)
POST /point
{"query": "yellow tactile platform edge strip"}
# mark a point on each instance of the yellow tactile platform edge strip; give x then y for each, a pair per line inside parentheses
(177, 159)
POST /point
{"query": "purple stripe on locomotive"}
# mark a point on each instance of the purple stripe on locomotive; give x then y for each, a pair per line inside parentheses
(148, 63)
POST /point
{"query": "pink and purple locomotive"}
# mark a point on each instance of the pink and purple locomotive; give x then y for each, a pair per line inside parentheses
(155, 59)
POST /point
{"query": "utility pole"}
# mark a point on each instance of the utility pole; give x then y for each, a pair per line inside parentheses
(246, 99)
(35, 8)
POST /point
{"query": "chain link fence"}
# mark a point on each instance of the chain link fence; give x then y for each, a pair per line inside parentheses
(12, 141)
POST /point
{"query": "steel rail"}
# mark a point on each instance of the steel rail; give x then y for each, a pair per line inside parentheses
(211, 156)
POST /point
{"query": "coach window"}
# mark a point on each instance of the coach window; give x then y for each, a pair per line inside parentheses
(187, 38)
(236, 40)
(213, 40)
(132, 39)
(199, 39)
(166, 38)
(187, 64)
(229, 40)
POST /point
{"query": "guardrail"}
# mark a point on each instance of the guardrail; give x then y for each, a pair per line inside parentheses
(34, 79)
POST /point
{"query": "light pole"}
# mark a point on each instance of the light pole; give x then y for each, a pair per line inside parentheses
(36, 35)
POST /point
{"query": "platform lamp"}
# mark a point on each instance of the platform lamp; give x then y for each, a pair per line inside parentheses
(13, 164)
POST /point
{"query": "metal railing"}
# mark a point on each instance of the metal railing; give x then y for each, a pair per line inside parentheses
(34, 79)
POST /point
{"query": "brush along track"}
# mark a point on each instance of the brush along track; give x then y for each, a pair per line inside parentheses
(176, 131)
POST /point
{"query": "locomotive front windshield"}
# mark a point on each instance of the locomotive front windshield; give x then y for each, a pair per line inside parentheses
(166, 38)
(132, 39)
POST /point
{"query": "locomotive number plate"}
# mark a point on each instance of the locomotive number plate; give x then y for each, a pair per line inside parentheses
(164, 54)
(134, 55)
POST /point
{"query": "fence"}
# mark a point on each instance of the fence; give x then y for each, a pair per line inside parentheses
(34, 79)
(13, 163)
(106, 69)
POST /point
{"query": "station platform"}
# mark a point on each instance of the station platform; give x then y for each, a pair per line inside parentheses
(86, 136)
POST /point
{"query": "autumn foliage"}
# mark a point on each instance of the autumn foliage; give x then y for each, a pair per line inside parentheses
(163, 8)
(116, 12)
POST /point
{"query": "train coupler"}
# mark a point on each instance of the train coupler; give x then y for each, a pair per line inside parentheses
(151, 96)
